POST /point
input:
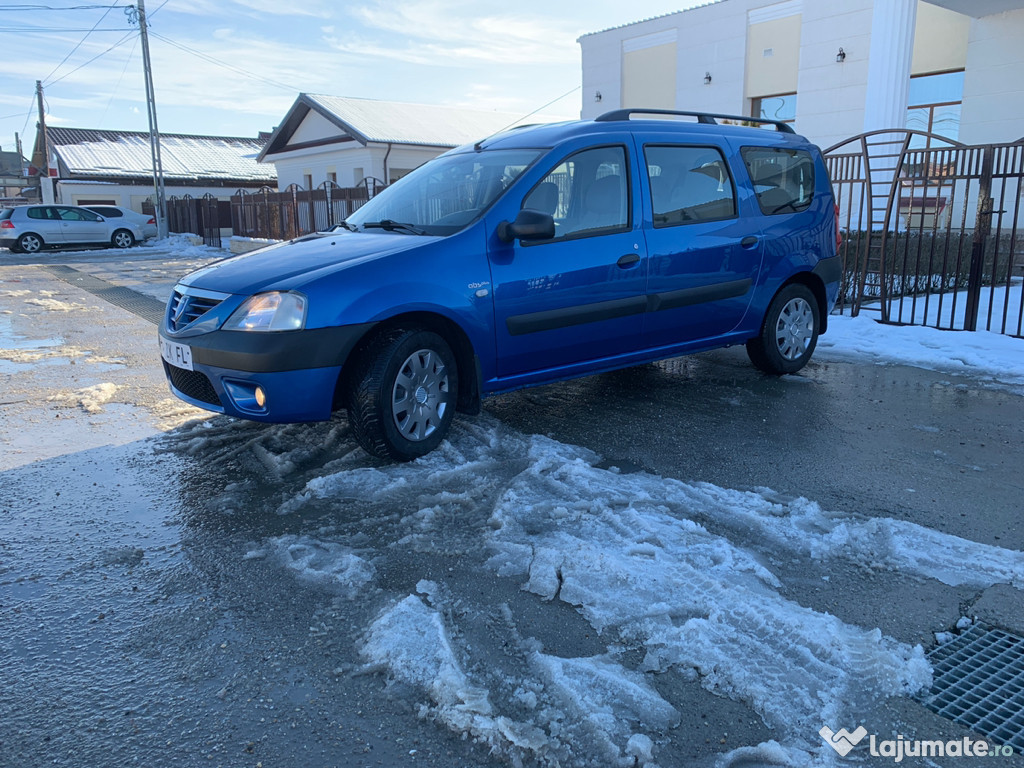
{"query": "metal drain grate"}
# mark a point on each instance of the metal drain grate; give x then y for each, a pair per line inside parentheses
(137, 303)
(979, 682)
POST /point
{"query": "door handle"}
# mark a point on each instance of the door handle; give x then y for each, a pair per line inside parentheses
(628, 260)
(749, 241)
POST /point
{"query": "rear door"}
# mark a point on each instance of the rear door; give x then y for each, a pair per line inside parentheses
(580, 295)
(704, 258)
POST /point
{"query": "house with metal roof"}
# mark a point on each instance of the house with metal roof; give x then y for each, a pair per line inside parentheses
(12, 174)
(93, 167)
(350, 141)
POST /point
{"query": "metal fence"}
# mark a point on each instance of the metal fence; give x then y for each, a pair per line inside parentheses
(201, 216)
(932, 230)
(267, 213)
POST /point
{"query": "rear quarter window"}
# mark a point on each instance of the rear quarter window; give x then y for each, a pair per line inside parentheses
(783, 178)
(37, 213)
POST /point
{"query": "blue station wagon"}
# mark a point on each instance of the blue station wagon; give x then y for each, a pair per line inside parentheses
(541, 253)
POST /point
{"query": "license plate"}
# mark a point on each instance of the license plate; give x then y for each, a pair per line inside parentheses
(176, 354)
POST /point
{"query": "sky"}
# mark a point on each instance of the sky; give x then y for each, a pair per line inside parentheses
(234, 67)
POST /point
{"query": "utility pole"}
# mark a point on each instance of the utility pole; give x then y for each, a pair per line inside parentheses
(154, 131)
(45, 184)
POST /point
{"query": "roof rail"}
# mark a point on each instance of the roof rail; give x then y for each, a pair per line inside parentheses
(702, 117)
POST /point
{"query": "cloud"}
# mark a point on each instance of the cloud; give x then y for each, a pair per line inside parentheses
(450, 32)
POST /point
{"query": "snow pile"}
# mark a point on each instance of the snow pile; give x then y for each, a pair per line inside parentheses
(411, 641)
(92, 399)
(322, 561)
(980, 353)
(55, 305)
(619, 549)
(801, 526)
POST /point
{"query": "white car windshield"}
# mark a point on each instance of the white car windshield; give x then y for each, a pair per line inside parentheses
(444, 195)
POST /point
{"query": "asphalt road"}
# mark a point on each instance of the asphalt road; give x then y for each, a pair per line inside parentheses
(140, 623)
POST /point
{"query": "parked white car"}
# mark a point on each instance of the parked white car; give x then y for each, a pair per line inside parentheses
(31, 228)
(112, 212)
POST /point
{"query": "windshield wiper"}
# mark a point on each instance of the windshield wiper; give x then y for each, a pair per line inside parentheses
(391, 226)
(344, 225)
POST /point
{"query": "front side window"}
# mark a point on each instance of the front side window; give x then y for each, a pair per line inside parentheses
(75, 214)
(587, 193)
(783, 178)
(688, 185)
(446, 194)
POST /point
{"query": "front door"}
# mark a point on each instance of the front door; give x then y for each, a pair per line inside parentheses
(578, 296)
(82, 226)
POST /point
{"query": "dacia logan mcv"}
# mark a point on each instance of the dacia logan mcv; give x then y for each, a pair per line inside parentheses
(538, 254)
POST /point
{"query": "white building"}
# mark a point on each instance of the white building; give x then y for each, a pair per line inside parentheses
(835, 68)
(96, 167)
(346, 140)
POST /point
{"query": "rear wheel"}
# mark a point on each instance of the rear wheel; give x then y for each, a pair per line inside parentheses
(789, 332)
(30, 243)
(122, 238)
(401, 394)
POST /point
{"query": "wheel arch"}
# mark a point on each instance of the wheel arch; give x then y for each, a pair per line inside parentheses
(817, 287)
(470, 376)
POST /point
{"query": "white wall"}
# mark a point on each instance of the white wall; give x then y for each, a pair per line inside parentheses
(993, 106)
(351, 164)
(129, 195)
(832, 98)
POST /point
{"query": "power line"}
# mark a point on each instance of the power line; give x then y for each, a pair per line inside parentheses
(225, 65)
(55, 8)
(60, 29)
(80, 42)
(98, 55)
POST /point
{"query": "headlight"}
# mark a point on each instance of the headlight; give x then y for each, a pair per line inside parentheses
(274, 311)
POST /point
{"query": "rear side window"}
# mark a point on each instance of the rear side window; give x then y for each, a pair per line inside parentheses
(783, 178)
(689, 185)
(110, 213)
(39, 213)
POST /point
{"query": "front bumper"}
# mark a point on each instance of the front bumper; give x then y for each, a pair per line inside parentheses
(296, 370)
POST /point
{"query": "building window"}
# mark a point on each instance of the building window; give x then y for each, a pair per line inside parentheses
(933, 106)
(307, 180)
(332, 177)
(781, 107)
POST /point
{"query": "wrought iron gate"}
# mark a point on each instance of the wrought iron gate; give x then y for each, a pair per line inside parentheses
(932, 233)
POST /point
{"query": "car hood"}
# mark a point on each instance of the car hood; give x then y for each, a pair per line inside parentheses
(289, 265)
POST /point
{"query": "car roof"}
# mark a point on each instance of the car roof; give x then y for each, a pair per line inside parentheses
(551, 134)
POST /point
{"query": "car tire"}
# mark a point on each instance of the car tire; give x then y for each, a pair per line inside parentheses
(122, 238)
(401, 394)
(30, 243)
(789, 332)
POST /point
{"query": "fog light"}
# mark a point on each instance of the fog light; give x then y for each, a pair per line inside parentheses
(246, 395)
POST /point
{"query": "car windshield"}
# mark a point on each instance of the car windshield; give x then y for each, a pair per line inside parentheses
(444, 195)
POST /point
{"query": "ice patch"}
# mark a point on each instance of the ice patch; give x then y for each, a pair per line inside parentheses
(90, 399)
(412, 642)
(618, 548)
(321, 561)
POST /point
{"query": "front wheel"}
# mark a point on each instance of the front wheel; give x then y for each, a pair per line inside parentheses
(401, 394)
(123, 239)
(789, 332)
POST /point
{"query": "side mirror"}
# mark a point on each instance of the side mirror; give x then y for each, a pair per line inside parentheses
(529, 225)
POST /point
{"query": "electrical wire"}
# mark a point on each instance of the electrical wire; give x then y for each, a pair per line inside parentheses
(54, 8)
(120, 42)
(80, 42)
(225, 65)
(118, 86)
